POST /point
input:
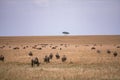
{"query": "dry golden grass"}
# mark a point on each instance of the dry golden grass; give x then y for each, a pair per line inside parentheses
(82, 62)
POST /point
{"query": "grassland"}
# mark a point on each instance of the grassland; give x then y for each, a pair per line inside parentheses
(82, 62)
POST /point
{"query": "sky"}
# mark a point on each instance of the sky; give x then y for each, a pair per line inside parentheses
(52, 17)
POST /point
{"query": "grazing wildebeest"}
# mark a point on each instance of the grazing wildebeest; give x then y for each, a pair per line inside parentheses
(16, 48)
(34, 47)
(39, 48)
(51, 56)
(30, 53)
(115, 54)
(118, 46)
(64, 58)
(57, 56)
(61, 44)
(98, 51)
(1, 57)
(35, 61)
(24, 47)
(9, 46)
(60, 48)
(2, 47)
(93, 48)
(46, 59)
(108, 51)
(53, 47)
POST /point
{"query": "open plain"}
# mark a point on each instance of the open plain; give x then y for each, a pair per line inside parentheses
(88, 57)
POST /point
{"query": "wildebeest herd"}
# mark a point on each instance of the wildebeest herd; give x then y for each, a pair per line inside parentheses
(48, 58)
(108, 51)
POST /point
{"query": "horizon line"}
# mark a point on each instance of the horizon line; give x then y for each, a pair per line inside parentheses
(57, 35)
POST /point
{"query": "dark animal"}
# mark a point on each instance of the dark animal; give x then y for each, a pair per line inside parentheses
(115, 54)
(39, 48)
(108, 51)
(30, 53)
(53, 47)
(61, 44)
(1, 58)
(64, 58)
(51, 56)
(9, 46)
(35, 61)
(60, 48)
(57, 56)
(2, 47)
(16, 48)
(98, 51)
(34, 47)
(46, 59)
(118, 46)
(93, 48)
(24, 47)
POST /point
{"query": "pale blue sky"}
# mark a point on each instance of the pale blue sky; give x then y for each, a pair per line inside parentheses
(52, 17)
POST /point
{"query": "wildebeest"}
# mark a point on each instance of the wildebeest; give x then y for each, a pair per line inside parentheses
(1, 57)
(24, 47)
(39, 48)
(35, 61)
(93, 48)
(108, 51)
(16, 48)
(34, 47)
(51, 56)
(1, 47)
(53, 47)
(46, 59)
(9, 46)
(57, 56)
(64, 58)
(115, 54)
(98, 51)
(30, 53)
(60, 48)
(118, 46)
